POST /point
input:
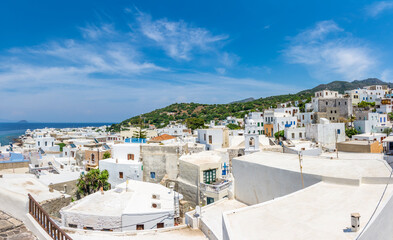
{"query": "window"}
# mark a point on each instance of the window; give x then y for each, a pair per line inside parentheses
(39, 143)
(130, 156)
(326, 103)
(46, 143)
(209, 176)
(121, 175)
(88, 228)
(160, 225)
(293, 135)
(72, 225)
(311, 116)
(338, 131)
(204, 137)
(92, 158)
(152, 175)
(140, 227)
(300, 135)
(210, 139)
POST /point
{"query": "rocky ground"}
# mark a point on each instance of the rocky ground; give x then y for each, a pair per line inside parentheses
(13, 229)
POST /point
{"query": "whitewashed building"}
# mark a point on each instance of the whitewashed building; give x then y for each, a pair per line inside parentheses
(133, 205)
(124, 164)
(326, 133)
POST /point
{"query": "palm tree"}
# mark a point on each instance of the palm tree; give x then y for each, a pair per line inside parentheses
(92, 181)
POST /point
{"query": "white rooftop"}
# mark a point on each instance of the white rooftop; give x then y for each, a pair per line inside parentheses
(321, 211)
(202, 157)
(19, 185)
(338, 168)
(136, 199)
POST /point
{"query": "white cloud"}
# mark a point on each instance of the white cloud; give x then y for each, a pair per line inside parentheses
(377, 8)
(178, 38)
(327, 51)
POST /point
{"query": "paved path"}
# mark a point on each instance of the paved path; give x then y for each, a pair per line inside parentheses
(13, 229)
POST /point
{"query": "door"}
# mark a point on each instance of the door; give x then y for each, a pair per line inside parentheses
(209, 200)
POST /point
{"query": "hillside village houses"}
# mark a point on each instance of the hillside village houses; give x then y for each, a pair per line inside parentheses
(282, 162)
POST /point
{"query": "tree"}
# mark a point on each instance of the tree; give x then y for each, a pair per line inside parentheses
(61, 146)
(350, 132)
(195, 123)
(279, 134)
(139, 133)
(92, 181)
(351, 119)
(107, 155)
(388, 131)
(233, 126)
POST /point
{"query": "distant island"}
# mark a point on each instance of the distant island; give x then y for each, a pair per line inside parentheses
(22, 121)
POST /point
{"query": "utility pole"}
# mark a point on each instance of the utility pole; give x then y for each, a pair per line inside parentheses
(301, 167)
(336, 143)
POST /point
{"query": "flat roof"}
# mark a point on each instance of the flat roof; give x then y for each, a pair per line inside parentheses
(323, 165)
(202, 157)
(321, 211)
(22, 184)
(118, 201)
(211, 214)
(356, 142)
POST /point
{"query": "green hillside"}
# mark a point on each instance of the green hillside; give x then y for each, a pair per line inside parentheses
(182, 111)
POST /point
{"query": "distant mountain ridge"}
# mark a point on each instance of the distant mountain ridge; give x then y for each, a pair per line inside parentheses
(182, 111)
(250, 99)
(342, 86)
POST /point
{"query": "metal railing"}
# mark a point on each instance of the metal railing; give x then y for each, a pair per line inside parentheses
(215, 188)
(43, 218)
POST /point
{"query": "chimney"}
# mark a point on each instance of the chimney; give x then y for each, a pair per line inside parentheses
(355, 222)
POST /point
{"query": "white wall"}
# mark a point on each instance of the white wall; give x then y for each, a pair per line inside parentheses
(131, 170)
(217, 138)
(325, 133)
(256, 183)
(381, 226)
(149, 220)
(121, 151)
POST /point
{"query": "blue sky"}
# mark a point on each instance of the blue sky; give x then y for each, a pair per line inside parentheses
(98, 61)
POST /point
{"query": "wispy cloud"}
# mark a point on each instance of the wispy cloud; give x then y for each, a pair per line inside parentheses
(377, 8)
(177, 38)
(106, 74)
(328, 51)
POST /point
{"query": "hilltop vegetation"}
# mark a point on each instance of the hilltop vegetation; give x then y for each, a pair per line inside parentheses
(207, 112)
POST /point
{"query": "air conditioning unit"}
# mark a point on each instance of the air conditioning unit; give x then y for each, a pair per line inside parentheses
(155, 196)
(156, 205)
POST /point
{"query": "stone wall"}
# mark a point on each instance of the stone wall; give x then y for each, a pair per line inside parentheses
(14, 165)
(53, 206)
(71, 187)
(162, 160)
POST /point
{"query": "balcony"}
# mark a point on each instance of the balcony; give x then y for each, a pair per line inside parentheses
(215, 187)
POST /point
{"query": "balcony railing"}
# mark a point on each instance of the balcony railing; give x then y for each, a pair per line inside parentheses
(215, 188)
(43, 218)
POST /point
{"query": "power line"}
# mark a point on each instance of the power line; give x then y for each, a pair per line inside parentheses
(379, 202)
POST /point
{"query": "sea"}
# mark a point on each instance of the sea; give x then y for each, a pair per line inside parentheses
(10, 131)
